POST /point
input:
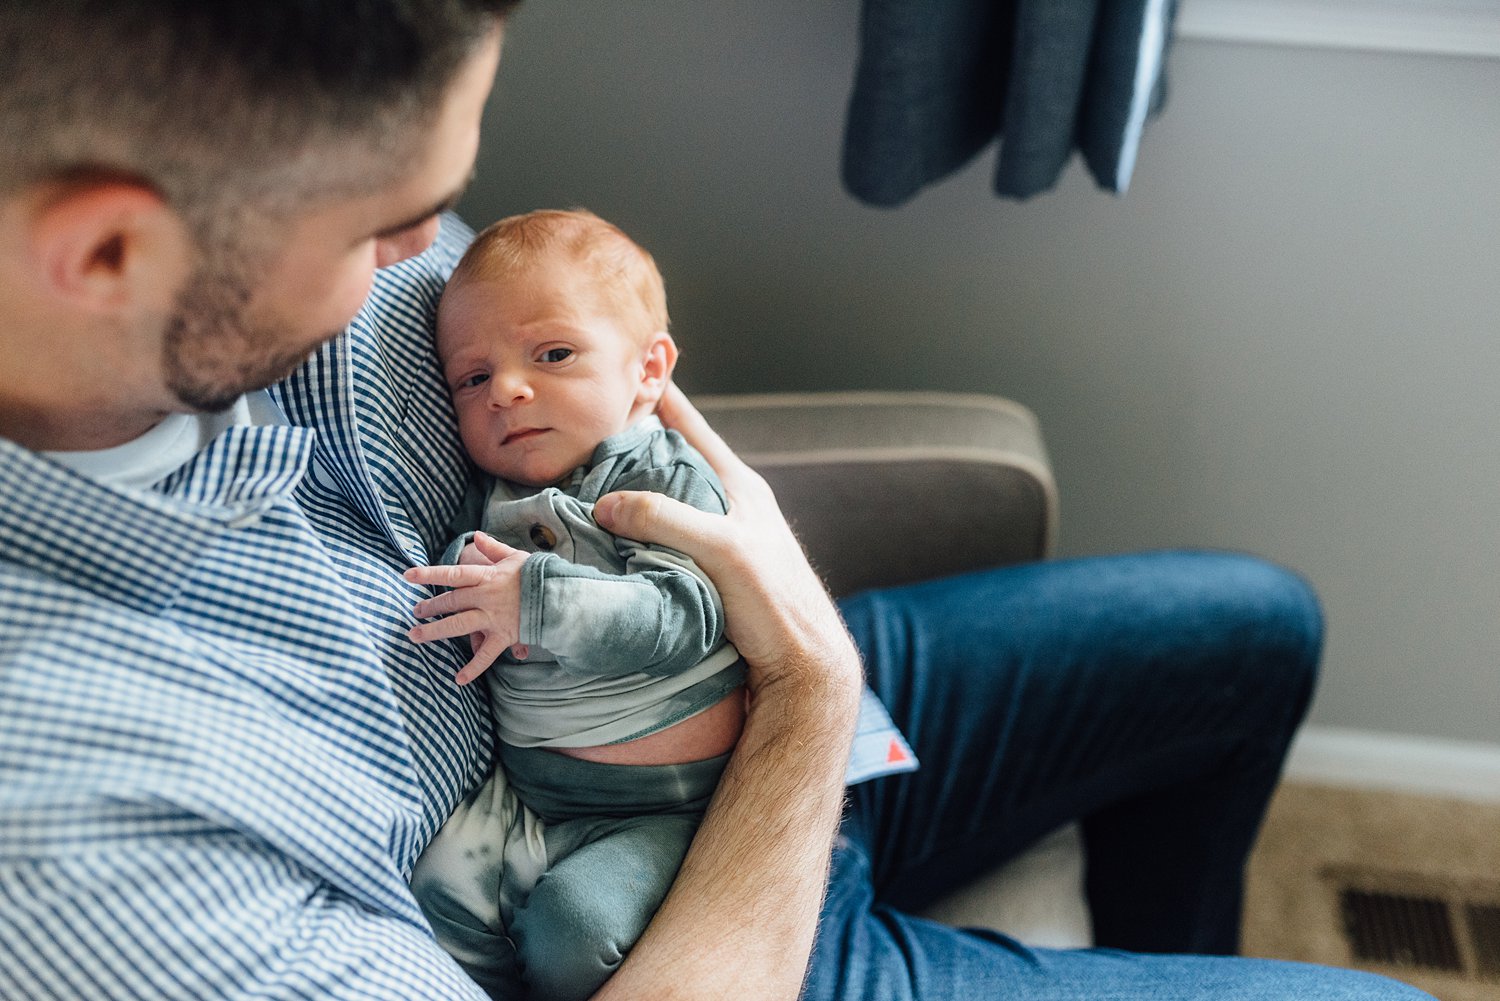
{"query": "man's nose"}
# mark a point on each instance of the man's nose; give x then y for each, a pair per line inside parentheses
(407, 243)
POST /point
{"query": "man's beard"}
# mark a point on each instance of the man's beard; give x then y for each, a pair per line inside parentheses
(212, 353)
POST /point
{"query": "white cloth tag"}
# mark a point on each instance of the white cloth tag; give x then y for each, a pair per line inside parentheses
(879, 748)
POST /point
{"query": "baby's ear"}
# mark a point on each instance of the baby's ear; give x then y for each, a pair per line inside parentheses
(656, 366)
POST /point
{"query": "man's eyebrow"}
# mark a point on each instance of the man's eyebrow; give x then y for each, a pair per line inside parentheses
(417, 220)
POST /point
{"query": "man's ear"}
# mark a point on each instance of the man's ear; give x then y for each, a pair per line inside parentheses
(107, 247)
(656, 367)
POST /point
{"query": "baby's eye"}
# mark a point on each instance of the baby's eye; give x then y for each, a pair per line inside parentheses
(556, 355)
(477, 379)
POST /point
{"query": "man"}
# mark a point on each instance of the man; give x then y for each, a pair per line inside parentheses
(220, 755)
(194, 200)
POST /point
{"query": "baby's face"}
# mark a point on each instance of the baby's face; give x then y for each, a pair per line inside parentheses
(538, 377)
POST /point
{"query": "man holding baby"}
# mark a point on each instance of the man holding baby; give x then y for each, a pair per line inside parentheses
(221, 754)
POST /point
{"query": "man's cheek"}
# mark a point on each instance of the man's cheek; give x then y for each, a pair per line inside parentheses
(356, 291)
(330, 300)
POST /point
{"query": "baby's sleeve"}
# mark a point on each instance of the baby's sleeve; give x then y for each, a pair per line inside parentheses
(660, 617)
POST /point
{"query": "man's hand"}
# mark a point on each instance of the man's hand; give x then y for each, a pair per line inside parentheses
(485, 603)
(776, 609)
(779, 800)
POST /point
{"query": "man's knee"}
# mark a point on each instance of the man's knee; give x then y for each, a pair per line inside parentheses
(1255, 613)
(1275, 615)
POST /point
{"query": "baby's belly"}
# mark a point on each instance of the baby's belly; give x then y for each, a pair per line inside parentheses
(706, 735)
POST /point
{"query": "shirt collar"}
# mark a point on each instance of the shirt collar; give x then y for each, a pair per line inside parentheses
(135, 547)
(627, 440)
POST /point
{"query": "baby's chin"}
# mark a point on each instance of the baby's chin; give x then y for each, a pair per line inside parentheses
(534, 474)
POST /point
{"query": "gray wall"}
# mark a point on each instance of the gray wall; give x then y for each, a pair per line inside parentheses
(1282, 340)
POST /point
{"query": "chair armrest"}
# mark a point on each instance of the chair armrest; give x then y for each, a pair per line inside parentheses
(891, 488)
(949, 482)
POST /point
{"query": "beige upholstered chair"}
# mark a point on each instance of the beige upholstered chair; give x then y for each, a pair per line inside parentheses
(967, 477)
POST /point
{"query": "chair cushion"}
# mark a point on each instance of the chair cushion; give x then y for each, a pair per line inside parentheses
(955, 482)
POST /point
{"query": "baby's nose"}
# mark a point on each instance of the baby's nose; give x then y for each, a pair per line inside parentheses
(507, 390)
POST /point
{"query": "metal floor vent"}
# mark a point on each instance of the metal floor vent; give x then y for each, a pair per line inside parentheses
(1406, 922)
(1484, 931)
(1400, 930)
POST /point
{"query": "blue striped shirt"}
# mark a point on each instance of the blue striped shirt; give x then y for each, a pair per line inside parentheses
(219, 753)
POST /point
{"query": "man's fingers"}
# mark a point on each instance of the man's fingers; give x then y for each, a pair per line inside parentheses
(659, 519)
(679, 414)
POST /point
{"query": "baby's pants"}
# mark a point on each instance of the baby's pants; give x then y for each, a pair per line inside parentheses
(545, 902)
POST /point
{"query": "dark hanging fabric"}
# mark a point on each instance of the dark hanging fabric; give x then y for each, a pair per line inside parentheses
(939, 80)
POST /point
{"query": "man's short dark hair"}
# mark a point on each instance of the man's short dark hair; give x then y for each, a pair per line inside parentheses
(226, 101)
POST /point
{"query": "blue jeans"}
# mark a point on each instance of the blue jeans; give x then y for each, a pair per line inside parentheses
(1153, 697)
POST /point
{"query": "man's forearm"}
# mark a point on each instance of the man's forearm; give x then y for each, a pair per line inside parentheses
(740, 919)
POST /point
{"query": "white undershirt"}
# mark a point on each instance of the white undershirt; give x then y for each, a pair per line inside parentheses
(158, 453)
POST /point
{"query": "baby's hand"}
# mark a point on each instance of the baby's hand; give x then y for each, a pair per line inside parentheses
(485, 602)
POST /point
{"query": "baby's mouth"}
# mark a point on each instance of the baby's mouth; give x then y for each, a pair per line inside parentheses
(521, 434)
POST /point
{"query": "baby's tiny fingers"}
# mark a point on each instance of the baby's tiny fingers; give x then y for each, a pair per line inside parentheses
(445, 576)
(441, 604)
(460, 624)
(492, 548)
(470, 671)
(484, 656)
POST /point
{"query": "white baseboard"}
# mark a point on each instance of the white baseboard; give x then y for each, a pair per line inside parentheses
(1364, 759)
(1435, 27)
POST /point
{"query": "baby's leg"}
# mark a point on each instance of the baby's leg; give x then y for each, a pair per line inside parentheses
(457, 883)
(591, 906)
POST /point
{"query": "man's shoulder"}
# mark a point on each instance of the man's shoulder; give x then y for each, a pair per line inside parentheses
(52, 629)
(76, 665)
(40, 608)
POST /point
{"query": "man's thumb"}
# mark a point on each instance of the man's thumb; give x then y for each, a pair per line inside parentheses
(655, 518)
